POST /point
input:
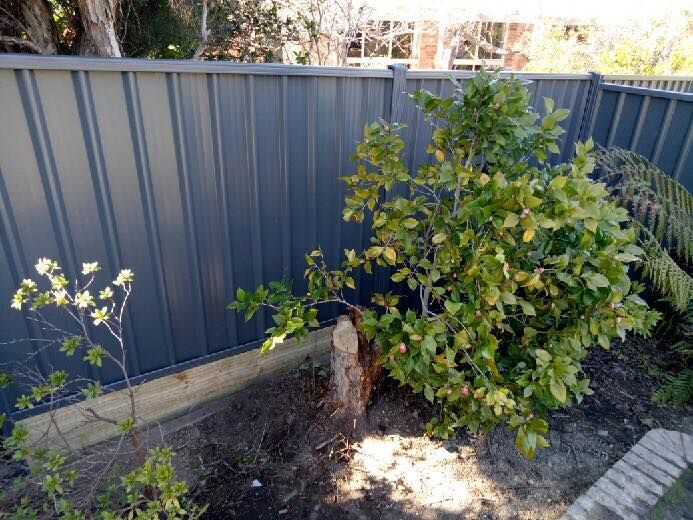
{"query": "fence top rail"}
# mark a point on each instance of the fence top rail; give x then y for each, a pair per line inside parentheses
(645, 77)
(646, 91)
(82, 63)
(464, 74)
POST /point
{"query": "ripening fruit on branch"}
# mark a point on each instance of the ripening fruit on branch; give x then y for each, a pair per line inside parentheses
(402, 348)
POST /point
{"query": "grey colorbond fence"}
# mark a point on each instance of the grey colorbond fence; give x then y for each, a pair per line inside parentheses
(671, 83)
(653, 123)
(202, 177)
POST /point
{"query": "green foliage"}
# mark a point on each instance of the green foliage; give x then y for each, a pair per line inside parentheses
(150, 490)
(518, 269)
(654, 199)
(678, 387)
(662, 45)
(663, 211)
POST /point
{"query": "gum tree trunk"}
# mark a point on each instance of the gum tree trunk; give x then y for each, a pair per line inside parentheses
(40, 28)
(355, 368)
(98, 20)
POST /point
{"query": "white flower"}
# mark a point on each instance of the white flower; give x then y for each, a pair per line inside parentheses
(46, 265)
(17, 301)
(90, 267)
(28, 286)
(106, 294)
(100, 315)
(125, 276)
(60, 297)
(84, 299)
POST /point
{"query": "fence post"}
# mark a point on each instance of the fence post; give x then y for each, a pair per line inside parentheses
(381, 281)
(399, 85)
(595, 82)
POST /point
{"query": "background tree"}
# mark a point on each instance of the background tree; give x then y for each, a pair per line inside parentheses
(240, 30)
(86, 27)
(663, 45)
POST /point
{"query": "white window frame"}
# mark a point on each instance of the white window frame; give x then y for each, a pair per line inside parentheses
(381, 61)
(476, 61)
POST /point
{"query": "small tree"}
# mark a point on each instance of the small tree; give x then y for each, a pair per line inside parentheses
(508, 269)
(149, 490)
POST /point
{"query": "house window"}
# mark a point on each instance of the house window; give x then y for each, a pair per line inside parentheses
(382, 42)
(472, 51)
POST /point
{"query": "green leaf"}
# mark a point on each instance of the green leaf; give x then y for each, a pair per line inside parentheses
(428, 393)
(452, 307)
(429, 344)
(374, 251)
(596, 280)
(558, 390)
(390, 255)
(439, 238)
(511, 220)
(543, 355)
(626, 257)
(527, 307)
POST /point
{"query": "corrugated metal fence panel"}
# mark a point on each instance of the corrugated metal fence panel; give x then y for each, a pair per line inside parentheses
(654, 123)
(671, 83)
(199, 181)
(204, 177)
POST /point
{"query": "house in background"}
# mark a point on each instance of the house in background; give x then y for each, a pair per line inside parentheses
(420, 45)
(464, 34)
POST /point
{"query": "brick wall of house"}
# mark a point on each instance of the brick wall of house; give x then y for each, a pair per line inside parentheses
(516, 39)
(428, 44)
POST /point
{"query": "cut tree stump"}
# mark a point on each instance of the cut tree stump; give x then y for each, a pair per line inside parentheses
(355, 367)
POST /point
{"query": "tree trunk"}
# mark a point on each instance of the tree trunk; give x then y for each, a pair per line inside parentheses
(355, 368)
(39, 25)
(204, 33)
(98, 20)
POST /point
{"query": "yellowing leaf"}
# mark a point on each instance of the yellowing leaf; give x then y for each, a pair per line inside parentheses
(532, 202)
(547, 223)
(528, 235)
(375, 251)
(390, 255)
(543, 355)
(558, 182)
(439, 238)
(558, 390)
(591, 224)
(409, 223)
(483, 179)
(440, 155)
(511, 220)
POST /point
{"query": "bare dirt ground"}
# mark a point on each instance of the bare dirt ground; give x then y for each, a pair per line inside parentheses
(282, 434)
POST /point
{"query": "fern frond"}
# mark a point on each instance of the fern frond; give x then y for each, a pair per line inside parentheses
(655, 200)
(678, 389)
(667, 278)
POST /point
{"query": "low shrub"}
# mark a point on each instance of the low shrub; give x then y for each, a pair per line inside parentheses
(51, 488)
(507, 269)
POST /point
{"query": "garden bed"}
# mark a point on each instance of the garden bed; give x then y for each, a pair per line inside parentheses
(284, 436)
(276, 434)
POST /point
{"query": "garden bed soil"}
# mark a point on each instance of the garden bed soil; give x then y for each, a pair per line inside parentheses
(284, 435)
(277, 450)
